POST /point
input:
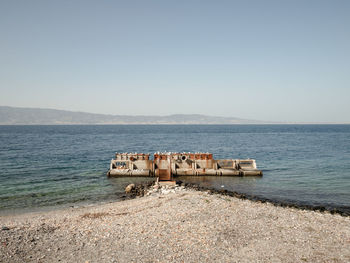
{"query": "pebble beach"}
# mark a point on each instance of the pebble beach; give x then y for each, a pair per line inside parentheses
(176, 225)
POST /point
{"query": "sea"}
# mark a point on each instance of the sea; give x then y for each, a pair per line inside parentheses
(45, 167)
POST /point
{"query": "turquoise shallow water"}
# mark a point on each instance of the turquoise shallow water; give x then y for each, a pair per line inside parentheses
(61, 165)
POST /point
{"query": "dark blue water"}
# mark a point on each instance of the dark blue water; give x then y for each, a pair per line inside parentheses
(55, 165)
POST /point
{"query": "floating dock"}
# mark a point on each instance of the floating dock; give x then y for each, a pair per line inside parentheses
(166, 165)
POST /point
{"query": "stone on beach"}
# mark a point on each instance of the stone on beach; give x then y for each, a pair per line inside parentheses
(129, 188)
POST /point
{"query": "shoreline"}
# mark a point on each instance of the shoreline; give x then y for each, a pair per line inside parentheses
(142, 188)
(343, 211)
(176, 224)
(138, 192)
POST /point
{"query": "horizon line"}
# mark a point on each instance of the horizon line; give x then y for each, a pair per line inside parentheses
(180, 114)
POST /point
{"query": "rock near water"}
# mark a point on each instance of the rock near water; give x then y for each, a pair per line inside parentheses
(129, 188)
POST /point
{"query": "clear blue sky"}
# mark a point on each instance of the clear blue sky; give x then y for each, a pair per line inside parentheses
(265, 60)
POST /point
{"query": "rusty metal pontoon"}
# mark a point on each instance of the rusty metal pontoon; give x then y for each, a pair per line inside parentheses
(165, 165)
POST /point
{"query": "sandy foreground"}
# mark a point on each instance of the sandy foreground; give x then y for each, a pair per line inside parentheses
(179, 225)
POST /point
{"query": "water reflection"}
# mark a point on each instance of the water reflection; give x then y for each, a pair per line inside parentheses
(237, 184)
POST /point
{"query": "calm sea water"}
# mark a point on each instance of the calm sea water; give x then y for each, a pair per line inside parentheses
(60, 165)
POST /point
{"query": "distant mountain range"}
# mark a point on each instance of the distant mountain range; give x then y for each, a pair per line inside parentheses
(37, 116)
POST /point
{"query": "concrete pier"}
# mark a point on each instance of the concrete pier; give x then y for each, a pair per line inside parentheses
(166, 165)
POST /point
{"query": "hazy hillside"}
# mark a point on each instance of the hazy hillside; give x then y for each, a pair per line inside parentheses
(13, 115)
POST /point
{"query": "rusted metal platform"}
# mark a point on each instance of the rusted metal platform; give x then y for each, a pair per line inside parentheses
(166, 165)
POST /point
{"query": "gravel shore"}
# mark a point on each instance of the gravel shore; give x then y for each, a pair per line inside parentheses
(176, 225)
